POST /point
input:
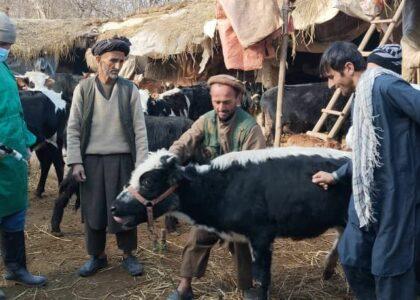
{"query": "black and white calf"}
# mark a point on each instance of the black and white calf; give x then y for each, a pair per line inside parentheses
(252, 196)
(46, 119)
(189, 102)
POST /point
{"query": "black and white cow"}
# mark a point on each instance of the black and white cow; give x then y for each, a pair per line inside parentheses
(302, 104)
(65, 84)
(189, 102)
(46, 119)
(161, 133)
(252, 196)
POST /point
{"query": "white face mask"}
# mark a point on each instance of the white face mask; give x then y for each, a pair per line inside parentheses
(4, 53)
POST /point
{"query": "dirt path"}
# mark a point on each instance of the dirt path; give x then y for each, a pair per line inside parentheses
(297, 266)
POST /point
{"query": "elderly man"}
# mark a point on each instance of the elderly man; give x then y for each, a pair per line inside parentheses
(106, 137)
(225, 129)
(13, 172)
(379, 244)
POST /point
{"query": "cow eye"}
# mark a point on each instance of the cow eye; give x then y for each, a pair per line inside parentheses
(147, 182)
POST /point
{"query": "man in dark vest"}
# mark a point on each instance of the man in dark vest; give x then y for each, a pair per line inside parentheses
(106, 137)
(225, 129)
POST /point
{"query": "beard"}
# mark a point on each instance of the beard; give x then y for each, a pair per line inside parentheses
(113, 75)
(225, 115)
(110, 73)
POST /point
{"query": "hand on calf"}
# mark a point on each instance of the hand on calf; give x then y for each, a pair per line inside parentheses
(323, 179)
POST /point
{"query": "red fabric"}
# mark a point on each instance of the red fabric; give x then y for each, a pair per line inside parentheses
(235, 56)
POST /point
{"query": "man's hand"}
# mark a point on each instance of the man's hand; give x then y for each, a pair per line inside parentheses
(323, 179)
(2, 154)
(79, 173)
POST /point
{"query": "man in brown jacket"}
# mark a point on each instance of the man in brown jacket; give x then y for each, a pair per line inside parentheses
(106, 138)
(225, 129)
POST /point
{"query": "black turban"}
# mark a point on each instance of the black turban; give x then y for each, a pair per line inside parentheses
(114, 44)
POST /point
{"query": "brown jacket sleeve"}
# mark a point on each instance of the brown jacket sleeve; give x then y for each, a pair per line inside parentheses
(185, 147)
(255, 139)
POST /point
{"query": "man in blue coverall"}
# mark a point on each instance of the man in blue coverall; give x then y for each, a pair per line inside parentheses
(378, 246)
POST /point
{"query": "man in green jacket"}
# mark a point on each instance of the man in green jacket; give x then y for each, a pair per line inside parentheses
(227, 128)
(13, 172)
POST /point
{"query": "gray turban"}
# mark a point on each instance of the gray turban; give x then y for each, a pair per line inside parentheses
(115, 44)
(7, 29)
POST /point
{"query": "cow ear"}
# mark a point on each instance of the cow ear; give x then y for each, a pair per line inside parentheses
(189, 172)
(169, 161)
(49, 82)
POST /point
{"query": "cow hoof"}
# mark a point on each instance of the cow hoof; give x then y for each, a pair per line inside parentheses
(57, 233)
(171, 224)
(328, 273)
(39, 192)
(256, 293)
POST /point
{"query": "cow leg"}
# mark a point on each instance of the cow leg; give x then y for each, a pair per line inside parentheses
(58, 212)
(58, 163)
(68, 188)
(262, 252)
(77, 203)
(45, 161)
(269, 129)
(171, 223)
(332, 257)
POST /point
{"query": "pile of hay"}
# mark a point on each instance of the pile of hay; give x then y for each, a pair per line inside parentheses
(55, 38)
(165, 31)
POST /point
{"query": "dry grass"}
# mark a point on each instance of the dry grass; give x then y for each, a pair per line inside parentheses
(51, 37)
(177, 28)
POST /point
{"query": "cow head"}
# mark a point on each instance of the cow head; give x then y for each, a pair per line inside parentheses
(158, 108)
(39, 80)
(23, 83)
(158, 174)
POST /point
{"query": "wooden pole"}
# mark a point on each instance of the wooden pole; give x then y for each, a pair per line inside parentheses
(282, 72)
(391, 27)
(417, 81)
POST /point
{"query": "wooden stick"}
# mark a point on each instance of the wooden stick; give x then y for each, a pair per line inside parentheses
(282, 72)
(20, 295)
(367, 36)
(341, 119)
(330, 106)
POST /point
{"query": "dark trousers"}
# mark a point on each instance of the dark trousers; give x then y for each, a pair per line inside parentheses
(96, 240)
(366, 286)
(197, 251)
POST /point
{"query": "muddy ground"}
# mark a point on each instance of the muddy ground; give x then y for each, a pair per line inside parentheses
(296, 269)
